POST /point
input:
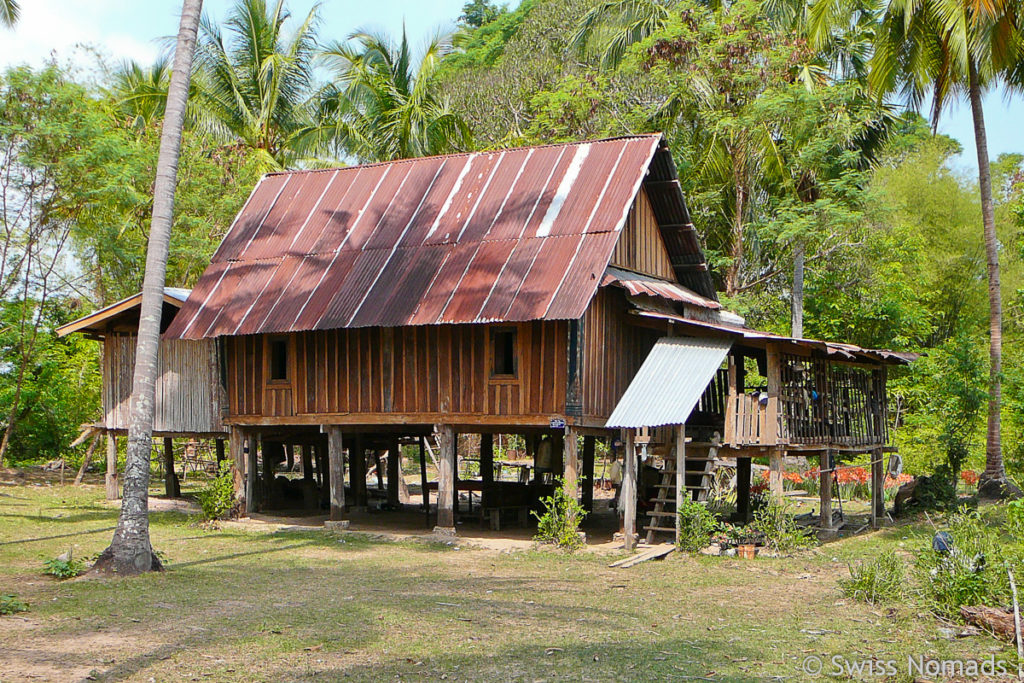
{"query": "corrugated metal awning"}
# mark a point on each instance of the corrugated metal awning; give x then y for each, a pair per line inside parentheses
(670, 382)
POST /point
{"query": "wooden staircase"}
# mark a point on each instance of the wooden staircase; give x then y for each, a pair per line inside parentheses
(699, 471)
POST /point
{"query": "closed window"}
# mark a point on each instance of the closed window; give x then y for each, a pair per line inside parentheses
(278, 359)
(503, 342)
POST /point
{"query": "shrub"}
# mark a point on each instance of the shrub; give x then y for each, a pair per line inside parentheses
(217, 498)
(781, 533)
(10, 604)
(973, 572)
(560, 523)
(1015, 519)
(696, 525)
(64, 566)
(880, 580)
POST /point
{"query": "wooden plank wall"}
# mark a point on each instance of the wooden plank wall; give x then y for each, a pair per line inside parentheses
(640, 247)
(442, 369)
(613, 351)
(187, 386)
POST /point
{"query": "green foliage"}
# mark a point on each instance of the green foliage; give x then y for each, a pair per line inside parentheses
(1015, 519)
(696, 525)
(781, 533)
(879, 580)
(64, 567)
(560, 523)
(973, 572)
(10, 604)
(476, 13)
(217, 497)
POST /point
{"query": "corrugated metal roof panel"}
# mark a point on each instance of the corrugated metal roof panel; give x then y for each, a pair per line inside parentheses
(670, 382)
(520, 234)
(636, 283)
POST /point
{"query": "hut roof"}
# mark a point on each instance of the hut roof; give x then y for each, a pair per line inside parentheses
(124, 315)
(509, 235)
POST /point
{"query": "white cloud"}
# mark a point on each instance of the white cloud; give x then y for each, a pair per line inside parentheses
(55, 27)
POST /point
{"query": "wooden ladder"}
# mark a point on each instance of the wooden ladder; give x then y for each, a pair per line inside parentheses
(699, 467)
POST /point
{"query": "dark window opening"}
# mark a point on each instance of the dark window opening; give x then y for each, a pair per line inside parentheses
(504, 352)
(278, 359)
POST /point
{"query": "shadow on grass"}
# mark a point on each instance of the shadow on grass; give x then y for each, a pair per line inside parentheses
(55, 536)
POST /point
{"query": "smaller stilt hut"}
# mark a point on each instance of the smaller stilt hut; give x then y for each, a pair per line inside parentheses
(189, 391)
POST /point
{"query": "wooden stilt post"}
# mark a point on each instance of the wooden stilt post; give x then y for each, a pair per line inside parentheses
(88, 457)
(558, 454)
(487, 458)
(236, 446)
(571, 463)
(310, 500)
(394, 472)
(335, 456)
(877, 489)
(587, 499)
(220, 452)
(172, 489)
(681, 492)
(775, 473)
(446, 480)
(627, 497)
(251, 440)
(289, 457)
(825, 466)
(743, 489)
(425, 493)
(111, 479)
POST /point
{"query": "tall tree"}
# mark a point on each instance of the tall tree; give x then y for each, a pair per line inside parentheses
(130, 551)
(947, 48)
(253, 82)
(9, 11)
(382, 105)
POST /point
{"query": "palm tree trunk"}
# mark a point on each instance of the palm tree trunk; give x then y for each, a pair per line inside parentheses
(797, 307)
(130, 551)
(732, 273)
(994, 476)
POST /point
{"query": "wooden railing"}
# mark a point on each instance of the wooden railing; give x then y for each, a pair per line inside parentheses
(749, 421)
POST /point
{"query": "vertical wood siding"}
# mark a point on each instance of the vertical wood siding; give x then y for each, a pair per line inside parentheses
(613, 351)
(187, 386)
(443, 369)
(640, 247)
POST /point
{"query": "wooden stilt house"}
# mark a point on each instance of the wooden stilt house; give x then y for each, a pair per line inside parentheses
(189, 398)
(514, 291)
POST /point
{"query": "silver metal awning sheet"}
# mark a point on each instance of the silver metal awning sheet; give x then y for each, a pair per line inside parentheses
(670, 382)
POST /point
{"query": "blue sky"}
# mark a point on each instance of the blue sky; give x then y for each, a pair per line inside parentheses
(132, 28)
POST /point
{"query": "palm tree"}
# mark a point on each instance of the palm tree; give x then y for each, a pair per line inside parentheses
(130, 551)
(253, 84)
(141, 92)
(9, 11)
(948, 48)
(611, 26)
(381, 105)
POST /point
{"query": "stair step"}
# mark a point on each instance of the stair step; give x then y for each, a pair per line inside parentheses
(657, 513)
(660, 528)
(688, 486)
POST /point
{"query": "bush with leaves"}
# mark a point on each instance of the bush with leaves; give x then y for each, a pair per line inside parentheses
(696, 525)
(781, 533)
(879, 580)
(64, 567)
(560, 523)
(217, 498)
(10, 604)
(973, 571)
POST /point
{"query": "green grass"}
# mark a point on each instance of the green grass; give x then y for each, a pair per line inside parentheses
(240, 604)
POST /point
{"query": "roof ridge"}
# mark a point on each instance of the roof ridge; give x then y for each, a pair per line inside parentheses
(452, 155)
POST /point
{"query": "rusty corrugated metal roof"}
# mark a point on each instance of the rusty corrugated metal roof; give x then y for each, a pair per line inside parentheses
(637, 283)
(512, 235)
